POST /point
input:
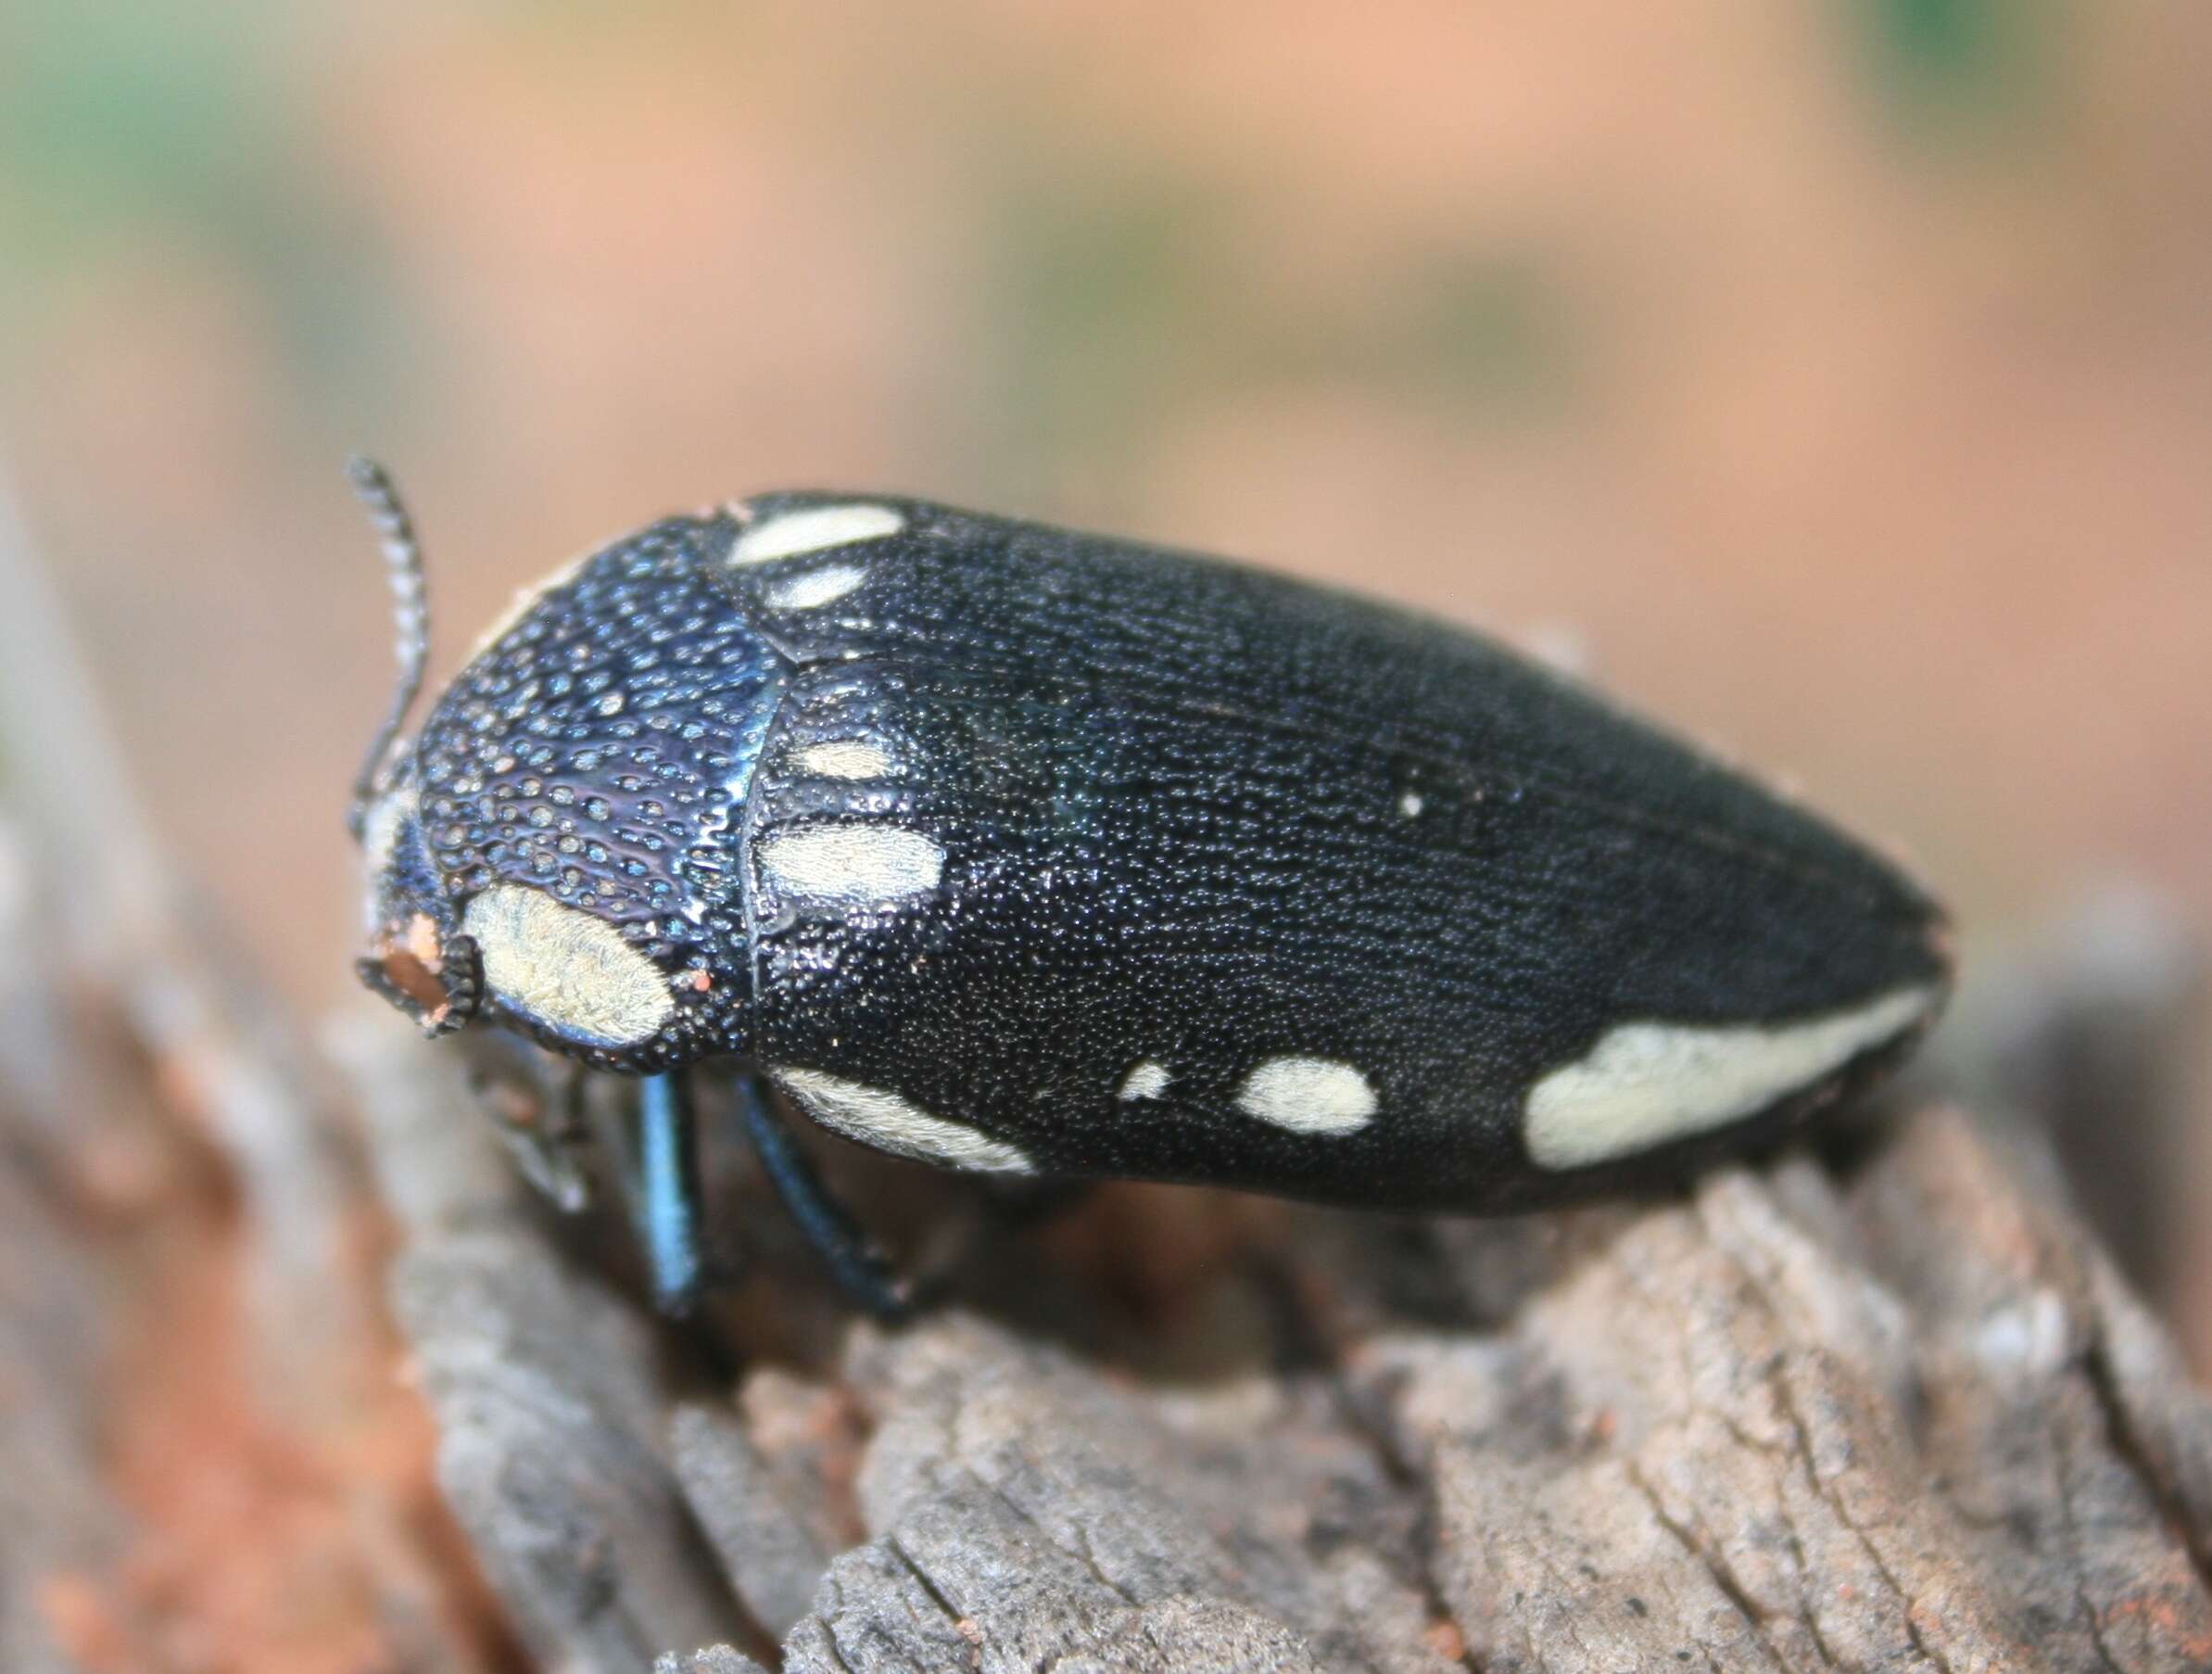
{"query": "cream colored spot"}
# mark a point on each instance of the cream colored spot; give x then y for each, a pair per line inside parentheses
(1411, 804)
(815, 588)
(840, 758)
(380, 830)
(565, 967)
(812, 530)
(1308, 1096)
(1644, 1083)
(890, 1122)
(853, 862)
(1145, 1080)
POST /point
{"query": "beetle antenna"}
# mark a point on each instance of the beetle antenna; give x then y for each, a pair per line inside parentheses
(411, 621)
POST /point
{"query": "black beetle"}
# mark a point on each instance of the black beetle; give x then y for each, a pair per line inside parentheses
(1037, 853)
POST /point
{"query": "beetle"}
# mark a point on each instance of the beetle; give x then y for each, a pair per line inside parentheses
(1035, 854)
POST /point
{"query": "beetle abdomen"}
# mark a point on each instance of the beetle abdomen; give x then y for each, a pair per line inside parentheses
(1072, 857)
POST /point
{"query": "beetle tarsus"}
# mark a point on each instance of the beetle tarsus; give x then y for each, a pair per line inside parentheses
(859, 1271)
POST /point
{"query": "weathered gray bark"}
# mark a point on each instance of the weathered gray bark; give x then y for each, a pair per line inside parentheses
(57, 1519)
(1903, 1418)
(204, 1461)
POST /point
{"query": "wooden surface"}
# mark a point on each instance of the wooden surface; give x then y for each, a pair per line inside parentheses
(1908, 1418)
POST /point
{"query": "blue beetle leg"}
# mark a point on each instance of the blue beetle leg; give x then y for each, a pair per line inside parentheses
(665, 1191)
(858, 1270)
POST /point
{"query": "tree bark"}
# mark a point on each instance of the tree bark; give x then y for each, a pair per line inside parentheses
(1903, 1415)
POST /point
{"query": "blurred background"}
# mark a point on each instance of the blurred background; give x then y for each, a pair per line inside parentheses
(1833, 378)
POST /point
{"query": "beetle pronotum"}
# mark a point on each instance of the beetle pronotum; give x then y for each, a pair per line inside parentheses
(1037, 853)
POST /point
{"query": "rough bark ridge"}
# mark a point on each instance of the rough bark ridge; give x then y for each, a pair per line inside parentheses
(1907, 1417)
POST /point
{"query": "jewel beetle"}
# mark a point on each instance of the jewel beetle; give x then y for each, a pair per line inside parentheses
(1031, 853)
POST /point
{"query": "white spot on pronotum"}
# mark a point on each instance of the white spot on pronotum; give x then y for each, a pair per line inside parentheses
(1308, 1096)
(1145, 1080)
(892, 1123)
(1411, 804)
(566, 967)
(853, 862)
(817, 587)
(380, 827)
(1644, 1083)
(812, 530)
(840, 758)
(380, 840)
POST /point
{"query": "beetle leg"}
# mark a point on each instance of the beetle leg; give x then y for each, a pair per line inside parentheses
(665, 1191)
(858, 1270)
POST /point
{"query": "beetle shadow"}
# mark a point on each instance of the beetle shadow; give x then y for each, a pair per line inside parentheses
(1176, 1285)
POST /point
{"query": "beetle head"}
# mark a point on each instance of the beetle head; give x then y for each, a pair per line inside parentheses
(554, 847)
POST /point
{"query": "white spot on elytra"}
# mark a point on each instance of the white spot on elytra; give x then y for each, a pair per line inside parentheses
(853, 862)
(1411, 804)
(566, 967)
(815, 588)
(1644, 1083)
(812, 529)
(892, 1123)
(1308, 1096)
(1145, 1080)
(840, 758)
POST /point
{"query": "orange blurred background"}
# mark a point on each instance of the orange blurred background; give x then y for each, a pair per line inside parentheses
(1835, 377)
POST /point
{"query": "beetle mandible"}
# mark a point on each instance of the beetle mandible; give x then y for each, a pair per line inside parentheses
(1036, 854)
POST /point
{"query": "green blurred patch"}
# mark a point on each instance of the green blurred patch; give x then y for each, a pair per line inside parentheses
(1942, 65)
(131, 133)
(1486, 329)
(1101, 307)
(1116, 299)
(118, 116)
